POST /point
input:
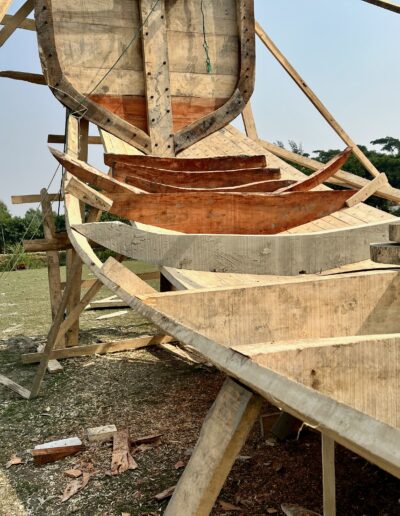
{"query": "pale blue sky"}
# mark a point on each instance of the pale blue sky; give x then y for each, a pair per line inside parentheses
(346, 50)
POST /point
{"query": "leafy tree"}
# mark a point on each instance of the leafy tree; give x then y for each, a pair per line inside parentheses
(388, 144)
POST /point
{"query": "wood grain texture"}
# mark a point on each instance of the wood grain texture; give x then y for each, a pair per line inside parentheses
(204, 164)
(386, 253)
(33, 78)
(227, 213)
(256, 187)
(394, 232)
(287, 255)
(217, 179)
(14, 21)
(97, 53)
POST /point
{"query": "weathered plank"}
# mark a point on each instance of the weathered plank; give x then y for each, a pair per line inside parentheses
(14, 22)
(60, 138)
(27, 24)
(249, 122)
(22, 391)
(367, 191)
(288, 254)
(33, 78)
(222, 436)
(394, 232)
(328, 475)
(35, 198)
(386, 253)
(86, 194)
(59, 243)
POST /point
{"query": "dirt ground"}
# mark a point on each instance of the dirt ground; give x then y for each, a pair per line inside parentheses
(149, 392)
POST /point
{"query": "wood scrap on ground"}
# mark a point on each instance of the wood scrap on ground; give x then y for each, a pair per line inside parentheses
(147, 439)
(110, 316)
(101, 434)
(167, 493)
(122, 459)
(296, 510)
(75, 486)
(14, 461)
(56, 450)
(73, 473)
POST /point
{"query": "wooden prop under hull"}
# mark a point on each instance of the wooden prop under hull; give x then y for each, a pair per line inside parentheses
(285, 255)
(211, 212)
(139, 69)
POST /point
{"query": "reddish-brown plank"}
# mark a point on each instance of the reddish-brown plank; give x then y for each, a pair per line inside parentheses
(260, 186)
(188, 164)
(131, 108)
(229, 213)
(217, 179)
(316, 179)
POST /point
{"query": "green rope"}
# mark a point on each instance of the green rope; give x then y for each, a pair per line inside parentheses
(205, 43)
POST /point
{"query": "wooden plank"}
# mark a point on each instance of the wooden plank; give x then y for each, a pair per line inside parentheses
(89, 174)
(27, 199)
(86, 194)
(222, 436)
(322, 175)
(53, 333)
(4, 5)
(228, 213)
(385, 4)
(368, 190)
(100, 349)
(157, 80)
(266, 40)
(60, 138)
(27, 24)
(341, 177)
(22, 391)
(249, 122)
(53, 261)
(268, 186)
(15, 21)
(287, 254)
(328, 475)
(33, 78)
(60, 242)
(189, 164)
(209, 180)
(122, 459)
(386, 253)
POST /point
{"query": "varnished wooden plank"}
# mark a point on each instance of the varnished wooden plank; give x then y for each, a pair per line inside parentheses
(229, 213)
(189, 164)
(256, 187)
(217, 179)
(321, 175)
(222, 436)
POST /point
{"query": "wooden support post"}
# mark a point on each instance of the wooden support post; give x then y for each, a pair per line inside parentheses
(222, 436)
(53, 260)
(249, 122)
(15, 21)
(328, 475)
(315, 100)
(158, 86)
(77, 144)
(367, 191)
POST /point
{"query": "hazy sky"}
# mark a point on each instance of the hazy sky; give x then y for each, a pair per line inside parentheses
(346, 50)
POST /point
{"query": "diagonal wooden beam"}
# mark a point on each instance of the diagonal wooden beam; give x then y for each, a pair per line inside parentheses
(27, 24)
(15, 21)
(385, 4)
(315, 100)
(4, 5)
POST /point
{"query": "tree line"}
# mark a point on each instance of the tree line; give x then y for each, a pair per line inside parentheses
(385, 156)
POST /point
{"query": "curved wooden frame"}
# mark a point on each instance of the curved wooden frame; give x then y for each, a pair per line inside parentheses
(66, 93)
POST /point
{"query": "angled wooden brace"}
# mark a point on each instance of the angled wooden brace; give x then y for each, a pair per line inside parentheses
(222, 436)
(15, 21)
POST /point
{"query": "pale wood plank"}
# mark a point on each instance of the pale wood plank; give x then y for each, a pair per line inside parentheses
(367, 191)
(385, 4)
(15, 21)
(222, 436)
(328, 475)
(25, 393)
(249, 122)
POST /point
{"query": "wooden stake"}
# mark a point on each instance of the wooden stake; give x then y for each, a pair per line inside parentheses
(315, 100)
(328, 475)
(222, 436)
